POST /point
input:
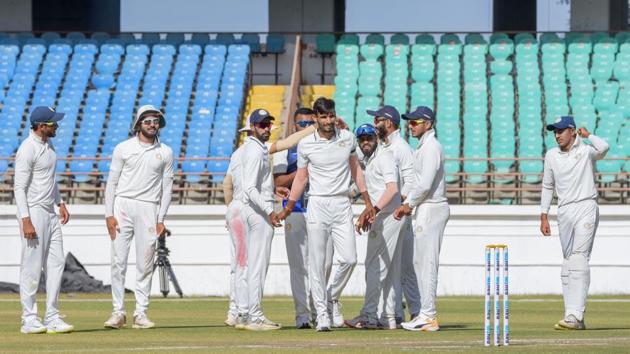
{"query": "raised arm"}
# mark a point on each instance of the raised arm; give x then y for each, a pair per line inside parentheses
(291, 140)
(167, 187)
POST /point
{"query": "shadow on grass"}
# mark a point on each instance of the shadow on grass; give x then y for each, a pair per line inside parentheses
(90, 330)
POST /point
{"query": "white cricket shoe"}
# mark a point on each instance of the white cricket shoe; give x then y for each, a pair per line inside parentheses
(422, 323)
(141, 321)
(262, 324)
(230, 320)
(116, 321)
(571, 323)
(241, 321)
(33, 326)
(58, 326)
(323, 324)
(334, 311)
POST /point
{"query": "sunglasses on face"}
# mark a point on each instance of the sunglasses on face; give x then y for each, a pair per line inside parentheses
(155, 121)
(263, 125)
(417, 122)
(305, 123)
(49, 124)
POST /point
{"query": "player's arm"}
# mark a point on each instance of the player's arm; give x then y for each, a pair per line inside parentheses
(167, 192)
(24, 161)
(390, 175)
(228, 188)
(429, 169)
(284, 180)
(546, 196)
(406, 172)
(252, 163)
(291, 140)
(297, 188)
(115, 169)
(599, 147)
(359, 179)
(63, 211)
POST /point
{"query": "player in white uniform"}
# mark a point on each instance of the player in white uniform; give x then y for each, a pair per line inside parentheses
(137, 197)
(381, 177)
(258, 219)
(36, 194)
(387, 122)
(327, 160)
(428, 197)
(284, 170)
(569, 170)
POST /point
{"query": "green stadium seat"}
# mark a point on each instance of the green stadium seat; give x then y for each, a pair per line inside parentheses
(369, 87)
(501, 67)
(550, 38)
(450, 38)
(422, 68)
(399, 38)
(325, 43)
(349, 38)
(375, 38)
(524, 38)
(502, 49)
(425, 39)
(371, 51)
(479, 49)
(498, 37)
(371, 68)
(474, 38)
(557, 48)
(347, 51)
(423, 49)
(622, 37)
(583, 47)
(396, 52)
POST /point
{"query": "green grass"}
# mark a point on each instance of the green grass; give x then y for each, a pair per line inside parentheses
(196, 324)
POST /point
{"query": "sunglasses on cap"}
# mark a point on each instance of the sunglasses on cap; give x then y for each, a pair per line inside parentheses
(305, 123)
(263, 125)
(155, 121)
(417, 122)
(49, 124)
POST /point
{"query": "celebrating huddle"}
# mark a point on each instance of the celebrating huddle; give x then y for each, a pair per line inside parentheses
(319, 166)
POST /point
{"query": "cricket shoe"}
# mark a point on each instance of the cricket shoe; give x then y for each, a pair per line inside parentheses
(116, 321)
(141, 321)
(33, 326)
(389, 323)
(230, 320)
(302, 322)
(334, 311)
(323, 324)
(262, 324)
(570, 323)
(421, 323)
(58, 326)
(358, 322)
(241, 321)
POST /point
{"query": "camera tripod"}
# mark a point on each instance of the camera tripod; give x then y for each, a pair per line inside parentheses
(165, 270)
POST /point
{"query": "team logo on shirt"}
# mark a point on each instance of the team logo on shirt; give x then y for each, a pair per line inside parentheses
(588, 225)
(342, 143)
(158, 156)
(418, 230)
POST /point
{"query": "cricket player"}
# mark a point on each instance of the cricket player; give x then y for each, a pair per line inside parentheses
(232, 189)
(387, 122)
(381, 177)
(326, 160)
(36, 194)
(428, 197)
(569, 170)
(258, 219)
(137, 197)
(284, 171)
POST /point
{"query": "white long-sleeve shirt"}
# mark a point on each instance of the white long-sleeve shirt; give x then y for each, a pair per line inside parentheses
(256, 176)
(380, 169)
(571, 174)
(403, 156)
(234, 169)
(428, 166)
(140, 172)
(35, 185)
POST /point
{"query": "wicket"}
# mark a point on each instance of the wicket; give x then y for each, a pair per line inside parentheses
(495, 251)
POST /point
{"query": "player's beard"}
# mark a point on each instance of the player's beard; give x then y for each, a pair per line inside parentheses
(382, 131)
(148, 134)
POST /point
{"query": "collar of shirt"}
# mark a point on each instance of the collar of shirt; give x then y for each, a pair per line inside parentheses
(334, 137)
(260, 143)
(369, 160)
(36, 138)
(578, 141)
(142, 145)
(391, 137)
(426, 136)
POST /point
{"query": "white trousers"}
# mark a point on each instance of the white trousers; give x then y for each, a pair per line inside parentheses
(383, 239)
(252, 261)
(137, 220)
(429, 227)
(43, 253)
(404, 273)
(236, 231)
(577, 223)
(329, 218)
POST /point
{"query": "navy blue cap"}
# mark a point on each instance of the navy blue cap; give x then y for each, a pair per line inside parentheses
(259, 115)
(43, 114)
(562, 123)
(421, 112)
(365, 129)
(389, 112)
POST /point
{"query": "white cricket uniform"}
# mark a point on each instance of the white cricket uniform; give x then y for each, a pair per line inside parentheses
(138, 195)
(295, 236)
(257, 199)
(383, 237)
(36, 193)
(402, 269)
(572, 175)
(428, 195)
(329, 213)
(236, 230)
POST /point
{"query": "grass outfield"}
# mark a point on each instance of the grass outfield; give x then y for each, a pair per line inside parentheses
(196, 324)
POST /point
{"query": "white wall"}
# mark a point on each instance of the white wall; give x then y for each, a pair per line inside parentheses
(200, 250)
(553, 15)
(419, 16)
(194, 15)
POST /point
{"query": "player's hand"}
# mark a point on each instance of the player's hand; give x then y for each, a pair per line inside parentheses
(282, 192)
(545, 229)
(160, 229)
(363, 223)
(28, 229)
(63, 212)
(401, 211)
(275, 221)
(284, 214)
(583, 133)
(112, 227)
